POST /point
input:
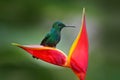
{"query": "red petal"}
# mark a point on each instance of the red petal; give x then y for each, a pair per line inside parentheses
(48, 54)
(78, 57)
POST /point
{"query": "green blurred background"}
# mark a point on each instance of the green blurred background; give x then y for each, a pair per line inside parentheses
(27, 22)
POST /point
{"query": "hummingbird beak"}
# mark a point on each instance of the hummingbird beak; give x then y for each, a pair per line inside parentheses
(70, 26)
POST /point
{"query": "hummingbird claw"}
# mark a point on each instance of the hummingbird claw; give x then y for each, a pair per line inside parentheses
(34, 57)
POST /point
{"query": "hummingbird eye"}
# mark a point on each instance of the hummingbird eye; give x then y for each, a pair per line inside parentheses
(61, 25)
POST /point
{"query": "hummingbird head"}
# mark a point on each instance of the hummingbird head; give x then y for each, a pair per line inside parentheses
(59, 25)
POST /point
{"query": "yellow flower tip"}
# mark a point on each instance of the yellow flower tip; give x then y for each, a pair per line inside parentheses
(83, 14)
(15, 44)
(83, 10)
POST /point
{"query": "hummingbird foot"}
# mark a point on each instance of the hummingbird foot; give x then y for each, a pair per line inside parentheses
(34, 57)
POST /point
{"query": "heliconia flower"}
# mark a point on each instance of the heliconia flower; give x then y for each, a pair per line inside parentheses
(78, 55)
(77, 60)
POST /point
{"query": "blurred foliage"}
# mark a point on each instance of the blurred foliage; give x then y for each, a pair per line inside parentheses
(27, 21)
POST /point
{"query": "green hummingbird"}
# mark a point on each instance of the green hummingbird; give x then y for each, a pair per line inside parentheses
(53, 37)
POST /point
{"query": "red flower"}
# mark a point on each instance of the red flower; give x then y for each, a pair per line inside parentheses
(77, 59)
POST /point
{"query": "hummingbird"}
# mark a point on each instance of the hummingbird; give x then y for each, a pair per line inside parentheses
(53, 37)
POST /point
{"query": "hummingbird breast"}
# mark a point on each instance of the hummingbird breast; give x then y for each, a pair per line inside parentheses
(54, 39)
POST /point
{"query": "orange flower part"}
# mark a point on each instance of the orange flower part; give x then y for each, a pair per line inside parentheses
(78, 55)
(48, 54)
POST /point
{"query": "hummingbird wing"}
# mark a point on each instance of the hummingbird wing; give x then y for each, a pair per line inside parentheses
(43, 42)
(51, 39)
